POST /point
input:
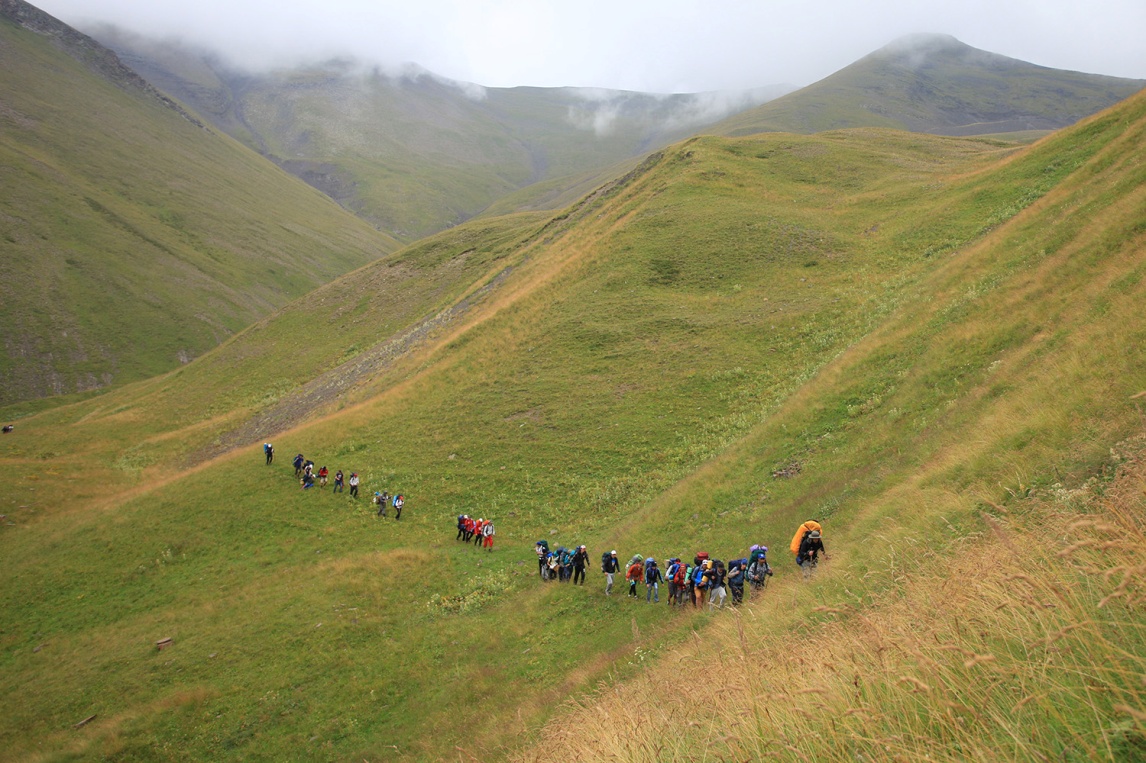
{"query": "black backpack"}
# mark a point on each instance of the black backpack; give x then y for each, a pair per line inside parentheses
(606, 558)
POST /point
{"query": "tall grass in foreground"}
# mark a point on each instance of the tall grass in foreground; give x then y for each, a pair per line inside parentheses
(1028, 642)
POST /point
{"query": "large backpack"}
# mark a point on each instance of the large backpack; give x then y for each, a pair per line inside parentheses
(605, 559)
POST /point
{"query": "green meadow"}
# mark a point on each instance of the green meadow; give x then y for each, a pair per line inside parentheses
(931, 328)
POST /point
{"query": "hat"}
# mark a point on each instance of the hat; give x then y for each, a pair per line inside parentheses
(814, 534)
(582, 547)
(613, 552)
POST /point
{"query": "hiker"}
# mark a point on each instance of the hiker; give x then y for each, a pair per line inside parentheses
(379, 500)
(653, 578)
(461, 525)
(610, 565)
(354, 484)
(758, 569)
(468, 535)
(635, 572)
(700, 580)
(737, 569)
(399, 502)
(542, 549)
(477, 536)
(580, 561)
(674, 575)
(695, 577)
(307, 479)
(487, 532)
(801, 531)
(808, 555)
(717, 577)
(567, 564)
(297, 462)
(9, 427)
(322, 475)
(338, 482)
(269, 452)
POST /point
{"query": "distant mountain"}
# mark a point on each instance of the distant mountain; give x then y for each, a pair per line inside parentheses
(936, 84)
(133, 237)
(410, 151)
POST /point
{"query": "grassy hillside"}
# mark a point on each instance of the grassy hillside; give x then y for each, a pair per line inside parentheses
(912, 319)
(134, 238)
(936, 84)
(415, 153)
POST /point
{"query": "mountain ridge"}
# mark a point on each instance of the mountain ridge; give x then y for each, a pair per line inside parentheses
(935, 83)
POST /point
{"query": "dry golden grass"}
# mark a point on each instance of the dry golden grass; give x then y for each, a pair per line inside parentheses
(1027, 643)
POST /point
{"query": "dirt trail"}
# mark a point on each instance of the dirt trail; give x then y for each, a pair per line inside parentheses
(296, 406)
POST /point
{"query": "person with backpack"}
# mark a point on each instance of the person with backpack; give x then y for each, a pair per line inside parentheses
(758, 569)
(322, 475)
(737, 572)
(810, 549)
(717, 577)
(653, 579)
(700, 580)
(379, 500)
(487, 532)
(675, 575)
(635, 573)
(338, 482)
(269, 452)
(354, 484)
(542, 549)
(802, 531)
(398, 503)
(580, 561)
(297, 463)
(610, 565)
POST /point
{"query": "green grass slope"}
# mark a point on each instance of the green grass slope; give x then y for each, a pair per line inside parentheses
(134, 238)
(414, 153)
(936, 84)
(887, 309)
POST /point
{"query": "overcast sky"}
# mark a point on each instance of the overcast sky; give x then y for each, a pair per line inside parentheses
(665, 46)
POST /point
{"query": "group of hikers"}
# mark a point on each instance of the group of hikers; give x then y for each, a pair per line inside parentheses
(309, 477)
(705, 579)
(479, 531)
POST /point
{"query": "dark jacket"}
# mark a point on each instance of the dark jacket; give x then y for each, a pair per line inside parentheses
(810, 548)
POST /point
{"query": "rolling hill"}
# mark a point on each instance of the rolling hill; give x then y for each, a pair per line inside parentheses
(930, 343)
(135, 238)
(936, 84)
(410, 151)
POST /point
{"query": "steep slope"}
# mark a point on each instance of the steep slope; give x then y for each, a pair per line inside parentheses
(135, 238)
(938, 85)
(980, 464)
(412, 152)
(891, 311)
